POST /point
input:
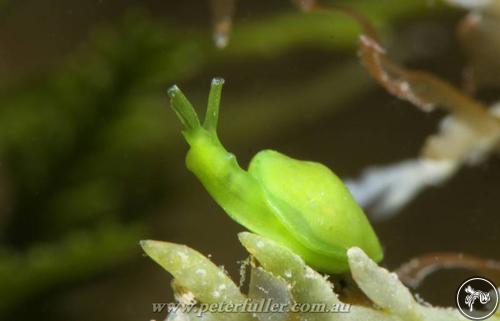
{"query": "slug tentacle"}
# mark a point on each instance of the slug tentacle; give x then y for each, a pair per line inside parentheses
(212, 115)
(183, 108)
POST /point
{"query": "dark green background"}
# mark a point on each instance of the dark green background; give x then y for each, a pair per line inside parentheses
(92, 159)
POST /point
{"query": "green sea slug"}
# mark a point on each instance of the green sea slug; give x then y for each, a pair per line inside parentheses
(302, 205)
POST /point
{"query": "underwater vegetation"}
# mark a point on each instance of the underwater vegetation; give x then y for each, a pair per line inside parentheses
(280, 275)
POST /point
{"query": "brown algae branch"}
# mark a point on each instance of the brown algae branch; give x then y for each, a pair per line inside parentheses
(467, 135)
(414, 272)
(420, 88)
(222, 16)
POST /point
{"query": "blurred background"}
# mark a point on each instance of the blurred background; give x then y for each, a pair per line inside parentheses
(92, 159)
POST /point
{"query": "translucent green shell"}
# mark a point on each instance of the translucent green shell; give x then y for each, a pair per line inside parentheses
(300, 204)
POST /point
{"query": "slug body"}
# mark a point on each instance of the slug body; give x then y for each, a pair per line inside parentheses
(299, 204)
